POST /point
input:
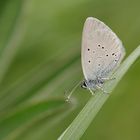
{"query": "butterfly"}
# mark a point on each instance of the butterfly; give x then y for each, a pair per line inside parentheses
(101, 53)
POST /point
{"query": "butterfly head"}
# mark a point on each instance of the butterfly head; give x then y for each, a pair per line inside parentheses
(92, 84)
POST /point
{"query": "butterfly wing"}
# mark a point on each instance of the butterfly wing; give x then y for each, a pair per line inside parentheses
(102, 51)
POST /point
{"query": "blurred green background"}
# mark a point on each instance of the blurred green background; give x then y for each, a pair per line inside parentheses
(40, 44)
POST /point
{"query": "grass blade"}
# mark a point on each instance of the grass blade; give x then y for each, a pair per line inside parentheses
(13, 42)
(88, 113)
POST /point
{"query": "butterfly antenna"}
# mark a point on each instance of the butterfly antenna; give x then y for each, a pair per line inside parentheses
(68, 97)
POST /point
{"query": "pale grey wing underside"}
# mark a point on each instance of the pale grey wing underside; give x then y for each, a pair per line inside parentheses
(102, 51)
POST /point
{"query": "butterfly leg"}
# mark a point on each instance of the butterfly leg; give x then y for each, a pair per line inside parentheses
(108, 79)
(101, 88)
(92, 91)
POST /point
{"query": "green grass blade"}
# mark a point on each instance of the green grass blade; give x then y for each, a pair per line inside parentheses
(88, 113)
(13, 43)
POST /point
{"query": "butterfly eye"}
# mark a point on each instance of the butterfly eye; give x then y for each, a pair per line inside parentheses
(84, 85)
